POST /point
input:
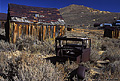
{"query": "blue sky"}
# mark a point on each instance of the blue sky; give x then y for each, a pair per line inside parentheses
(104, 5)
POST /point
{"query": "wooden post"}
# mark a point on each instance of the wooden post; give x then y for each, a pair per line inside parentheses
(29, 29)
(44, 32)
(63, 30)
(41, 33)
(32, 29)
(60, 30)
(20, 30)
(15, 33)
(10, 32)
(49, 30)
(38, 31)
(54, 28)
(26, 29)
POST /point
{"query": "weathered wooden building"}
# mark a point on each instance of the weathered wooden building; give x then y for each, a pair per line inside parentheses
(112, 32)
(3, 19)
(39, 22)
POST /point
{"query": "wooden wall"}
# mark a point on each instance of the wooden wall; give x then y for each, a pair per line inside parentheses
(40, 32)
(111, 33)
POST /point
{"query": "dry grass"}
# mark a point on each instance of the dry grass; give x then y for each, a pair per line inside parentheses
(24, 60)
(21, 66)
(110, 51)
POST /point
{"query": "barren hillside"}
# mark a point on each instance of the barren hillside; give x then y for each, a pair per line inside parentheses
(81, 15)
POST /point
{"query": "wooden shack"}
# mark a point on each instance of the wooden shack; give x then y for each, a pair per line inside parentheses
(42, 23)
(3, 19)
(111, 32)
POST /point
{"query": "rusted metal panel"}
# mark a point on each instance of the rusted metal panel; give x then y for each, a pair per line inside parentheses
(86, 55)
(35, 14)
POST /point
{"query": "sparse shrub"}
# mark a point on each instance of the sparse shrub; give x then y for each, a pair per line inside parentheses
(27, 67)
(34, 45)
(94, 55)
(5, 46)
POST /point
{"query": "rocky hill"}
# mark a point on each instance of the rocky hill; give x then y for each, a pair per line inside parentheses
(85, 16)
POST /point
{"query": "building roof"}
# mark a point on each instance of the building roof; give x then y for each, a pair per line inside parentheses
(29, 14)
(3, 16)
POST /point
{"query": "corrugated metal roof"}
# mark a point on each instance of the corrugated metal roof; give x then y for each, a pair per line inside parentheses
(3, 16)
(22, 13)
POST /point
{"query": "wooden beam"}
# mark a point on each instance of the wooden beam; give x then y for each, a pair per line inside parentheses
(60, 30)
(63, 30)
(10, 32)
(32, 29)
(20, 30)
(26, 29)
(38, 28)
(15, 33)
(29, 29)
(44, 32)
(41, 33)
(49, 30)
(54, 28)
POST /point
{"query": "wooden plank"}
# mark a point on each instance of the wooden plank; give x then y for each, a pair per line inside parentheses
(63, 30)
(49, 30)
(38, 28)
(29, 29)
(54, 28)
(41, 33)
(15, 33)
(20, 30)
(32, 29)
(60, 30)
(44, 32)
(10, 32)
(26, 29)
